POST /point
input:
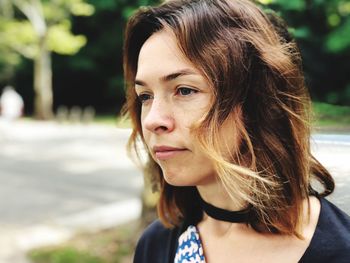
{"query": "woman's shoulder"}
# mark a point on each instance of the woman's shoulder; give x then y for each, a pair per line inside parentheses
(331, 240)
(155, 230)
(334, 223)
(156, 244)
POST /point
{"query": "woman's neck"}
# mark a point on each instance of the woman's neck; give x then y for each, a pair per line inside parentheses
(216, 195)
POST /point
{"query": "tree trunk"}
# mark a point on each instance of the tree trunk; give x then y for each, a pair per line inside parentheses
(43, 100)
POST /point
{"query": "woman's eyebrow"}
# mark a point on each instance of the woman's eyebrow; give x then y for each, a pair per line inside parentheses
(169, 77)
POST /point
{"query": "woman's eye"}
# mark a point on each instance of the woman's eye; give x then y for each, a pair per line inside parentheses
(184, 91)
(144, 97)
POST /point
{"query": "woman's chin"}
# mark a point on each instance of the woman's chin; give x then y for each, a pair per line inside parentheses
(175, 179)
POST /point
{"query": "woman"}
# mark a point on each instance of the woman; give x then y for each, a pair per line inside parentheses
(216, 94)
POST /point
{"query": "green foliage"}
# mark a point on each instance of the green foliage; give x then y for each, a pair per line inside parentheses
(339, 39)
(61, 41)
(8, 58)
(61, 9)
(96, 70)
(292, 5)
(94, 75)
(128, 11)
(19, 35)
(334, 115)
(79, 8)
(63, 255)
(322, 30)
(113, 245)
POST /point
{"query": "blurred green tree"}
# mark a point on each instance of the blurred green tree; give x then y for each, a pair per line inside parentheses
(34, 28)
(94, 76)
(97, 69)
(322, 30)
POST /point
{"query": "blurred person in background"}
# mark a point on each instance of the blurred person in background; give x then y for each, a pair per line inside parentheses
(11, 104)
(216, 92)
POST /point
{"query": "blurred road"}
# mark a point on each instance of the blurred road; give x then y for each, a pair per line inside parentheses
(50, 170)
(58, 178)
(333, 151)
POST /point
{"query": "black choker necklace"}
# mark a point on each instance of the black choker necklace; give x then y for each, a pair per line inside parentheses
(217, 213)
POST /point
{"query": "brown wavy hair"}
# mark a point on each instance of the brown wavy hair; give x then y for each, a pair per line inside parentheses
(254, 68)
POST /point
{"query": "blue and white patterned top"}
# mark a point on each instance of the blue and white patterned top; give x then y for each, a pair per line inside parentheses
(189, 248)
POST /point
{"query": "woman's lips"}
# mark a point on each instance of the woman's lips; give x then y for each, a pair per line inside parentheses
(166, 152)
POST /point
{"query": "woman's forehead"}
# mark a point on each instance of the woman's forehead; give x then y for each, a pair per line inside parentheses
(161, 55)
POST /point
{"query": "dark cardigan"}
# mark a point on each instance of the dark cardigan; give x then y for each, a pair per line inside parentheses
(329, 244)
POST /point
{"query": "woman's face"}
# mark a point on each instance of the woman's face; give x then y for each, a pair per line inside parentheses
(174, 97)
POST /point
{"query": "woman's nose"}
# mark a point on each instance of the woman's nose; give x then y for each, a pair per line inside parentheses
(159, 119)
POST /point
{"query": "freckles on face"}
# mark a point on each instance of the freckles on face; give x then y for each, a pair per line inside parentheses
(174, 97)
